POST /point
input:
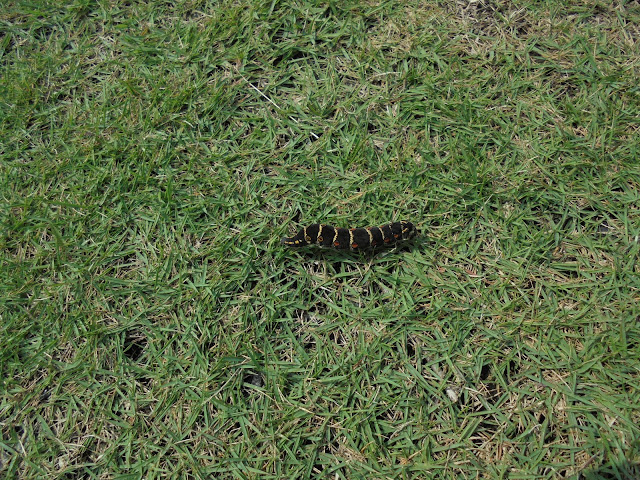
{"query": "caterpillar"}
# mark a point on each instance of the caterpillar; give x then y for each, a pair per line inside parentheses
(353, 238)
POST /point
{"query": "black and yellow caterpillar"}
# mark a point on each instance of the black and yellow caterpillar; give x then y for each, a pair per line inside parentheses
(353, 238)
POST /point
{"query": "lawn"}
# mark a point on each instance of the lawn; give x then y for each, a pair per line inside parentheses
(152, 156)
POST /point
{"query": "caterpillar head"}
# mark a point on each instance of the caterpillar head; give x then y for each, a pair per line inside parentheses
(409, 230)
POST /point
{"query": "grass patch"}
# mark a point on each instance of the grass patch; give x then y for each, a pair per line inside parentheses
(153, 155)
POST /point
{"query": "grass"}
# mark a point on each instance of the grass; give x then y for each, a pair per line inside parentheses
(153, 155)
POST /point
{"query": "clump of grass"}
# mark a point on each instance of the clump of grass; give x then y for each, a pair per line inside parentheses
(153, 156)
